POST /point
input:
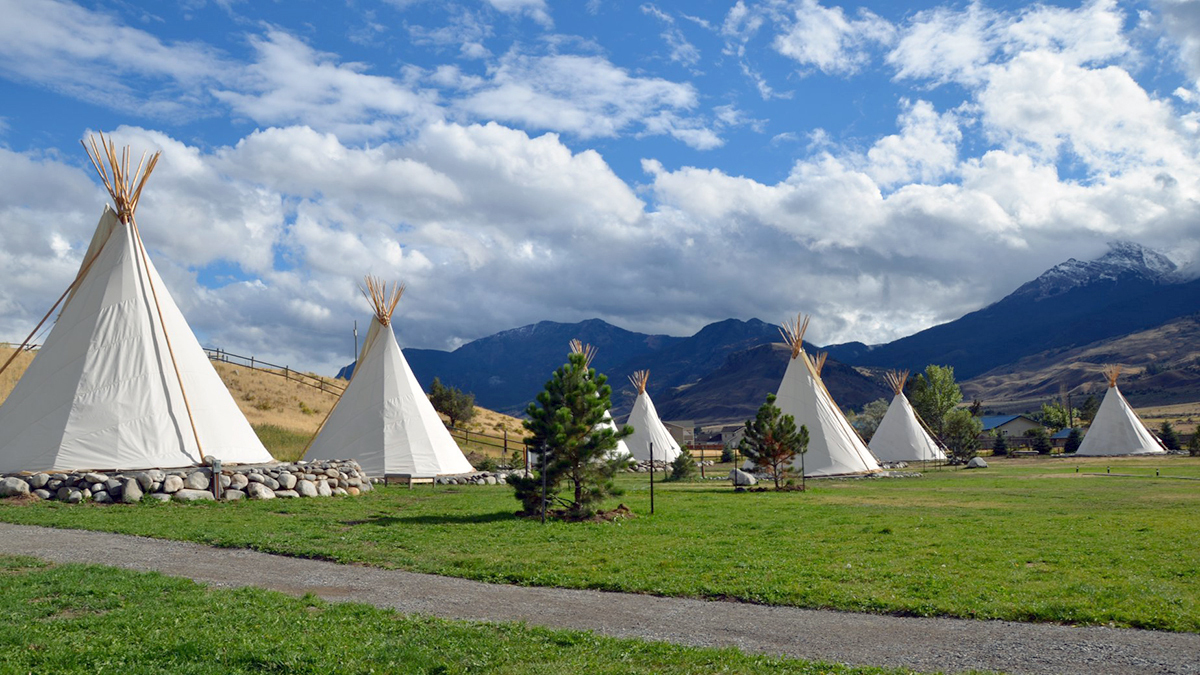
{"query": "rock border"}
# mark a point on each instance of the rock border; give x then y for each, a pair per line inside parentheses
(321, 478)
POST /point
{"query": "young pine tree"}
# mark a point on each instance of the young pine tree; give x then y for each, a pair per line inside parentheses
(1169, 437)
(1074, 439)
(1000, 446)
(1194, 444)
(1039, 440)
(772, 440)
(564, 424)
(683, 467)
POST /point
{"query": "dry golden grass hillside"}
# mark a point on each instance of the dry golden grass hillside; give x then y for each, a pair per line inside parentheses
(285, 412)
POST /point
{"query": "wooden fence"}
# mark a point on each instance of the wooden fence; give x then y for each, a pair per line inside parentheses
(314, 381)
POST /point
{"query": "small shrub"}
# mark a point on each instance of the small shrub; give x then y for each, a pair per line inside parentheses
(726, 455)
(1000, 447)
(1169, 437)
(304, 409)
(1194, 445)
(1073, 441)
(486, 463)
(263, 406)
(683, 467)
(1039, 440)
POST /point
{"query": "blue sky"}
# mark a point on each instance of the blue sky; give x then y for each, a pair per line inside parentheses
(659, 165)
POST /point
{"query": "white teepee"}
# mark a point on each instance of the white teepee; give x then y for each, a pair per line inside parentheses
(121, 382)
(589, 352)
(647, 427)
(900, 436)
(834, 448)
(384, 420)
(1116, 429)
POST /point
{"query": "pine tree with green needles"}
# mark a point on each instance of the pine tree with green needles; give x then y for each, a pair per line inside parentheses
(683, 467)
(1000, 446)
(1074, 440)
(1194, 444)
(565, 424)
(1039, 440)
(772, 440)
(1169, 437)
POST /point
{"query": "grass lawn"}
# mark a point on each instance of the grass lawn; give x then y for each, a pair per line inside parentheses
(88, 619)
(1028, 540)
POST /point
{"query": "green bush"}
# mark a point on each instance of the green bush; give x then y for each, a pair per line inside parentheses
(683, 467)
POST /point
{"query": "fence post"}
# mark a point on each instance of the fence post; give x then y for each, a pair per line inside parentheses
(506, 443)
(251, 363)
(286, 376)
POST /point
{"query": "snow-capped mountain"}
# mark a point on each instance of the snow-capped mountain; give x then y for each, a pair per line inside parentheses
(1124, 260)
(1074, 303)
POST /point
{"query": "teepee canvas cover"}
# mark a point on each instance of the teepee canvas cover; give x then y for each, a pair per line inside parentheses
(834, 448)
(121, 382)
(900, 436)
(1116, 429)
(384, 420)
(647, 427)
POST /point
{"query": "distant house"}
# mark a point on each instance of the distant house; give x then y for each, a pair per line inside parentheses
(683, 431)
(1009, 425)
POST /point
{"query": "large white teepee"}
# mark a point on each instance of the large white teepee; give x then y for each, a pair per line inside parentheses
(647, 427)
(384, 420)
(900, 436)
(834, 448)
(589, 353)
(121, 382)
(1116, 429)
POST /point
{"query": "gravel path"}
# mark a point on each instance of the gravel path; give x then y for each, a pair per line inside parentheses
(949, 645)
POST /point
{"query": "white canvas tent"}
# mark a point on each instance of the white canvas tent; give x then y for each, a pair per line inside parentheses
(1116, 429)
(384, 420)
(834, 448)
(647, 427)
(589, 352)
(900, 436)
(121, 382)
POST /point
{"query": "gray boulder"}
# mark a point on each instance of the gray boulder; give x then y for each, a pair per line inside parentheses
(233, 495)
(270, 482)
(196, 480)
(287, 494)
(131, 491)
(259, 491)
(160, 496)
(93, 477)
(102, 497)
(287, 481)
(337, 491)
(13, 487)
(238, 481)
(306, 488)
(70, 495)
(38, 480)
(226, 481)
(976, 463)
(172, 484)
(323, 489)
(490, 480)
(190, 495)
(741, 478)
(44, 494)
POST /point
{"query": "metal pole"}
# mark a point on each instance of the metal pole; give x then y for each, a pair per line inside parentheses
(543, 484)
(651, 477)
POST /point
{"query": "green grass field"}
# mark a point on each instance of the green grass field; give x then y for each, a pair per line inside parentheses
(90, 619)
(1028, 540)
